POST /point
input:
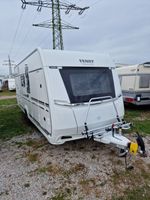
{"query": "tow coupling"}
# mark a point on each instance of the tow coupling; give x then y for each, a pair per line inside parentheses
(113, 135)
(133, 149)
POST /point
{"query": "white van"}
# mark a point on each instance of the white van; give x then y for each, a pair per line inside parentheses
(11, 84)
(135, 83)
(72, 95)
(1, 84)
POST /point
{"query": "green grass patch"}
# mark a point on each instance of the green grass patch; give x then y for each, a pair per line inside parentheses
(142, 126)
(7, 93)
(140, 193)
(7, 102)
(12, 120)
(140, 117)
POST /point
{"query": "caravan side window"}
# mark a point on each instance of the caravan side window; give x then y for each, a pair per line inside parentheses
(27, 79)
(144, 81)
(22, 77)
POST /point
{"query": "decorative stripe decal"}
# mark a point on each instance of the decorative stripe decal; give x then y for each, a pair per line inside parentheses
(38, 124)
(35, 70)
(40, 102)
(36, 104)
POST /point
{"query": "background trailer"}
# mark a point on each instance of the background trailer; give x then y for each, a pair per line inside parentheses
(135, 83)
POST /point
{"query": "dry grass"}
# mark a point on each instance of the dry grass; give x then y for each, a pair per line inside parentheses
(75, 169)
(89, 186)
(52, 168)
(33, 157)
(35, 144)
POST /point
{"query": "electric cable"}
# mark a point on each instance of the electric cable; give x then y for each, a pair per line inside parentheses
(29, 30)
(96, 2)
(16, 32)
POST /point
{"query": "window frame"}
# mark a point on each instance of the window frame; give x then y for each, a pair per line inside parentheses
(66, 71)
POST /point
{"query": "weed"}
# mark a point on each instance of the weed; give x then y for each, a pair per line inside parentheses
(64, 194)
(60, 196)
(75, 169)
(33, 157)
(78, 167)
(88, 186)
(42, 170)
(52, 169)
(35, 143)
(87, 182)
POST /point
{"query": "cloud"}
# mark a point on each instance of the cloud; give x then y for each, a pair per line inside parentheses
(120, 28)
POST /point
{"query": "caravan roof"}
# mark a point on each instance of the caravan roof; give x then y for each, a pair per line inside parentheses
(134, 69)
(72, 58)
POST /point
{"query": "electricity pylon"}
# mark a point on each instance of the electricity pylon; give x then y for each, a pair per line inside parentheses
(9, 63)
(56, 24)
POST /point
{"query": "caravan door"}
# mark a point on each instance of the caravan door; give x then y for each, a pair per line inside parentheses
(87, 88)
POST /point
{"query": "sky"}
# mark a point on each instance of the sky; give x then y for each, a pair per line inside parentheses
(120, 28)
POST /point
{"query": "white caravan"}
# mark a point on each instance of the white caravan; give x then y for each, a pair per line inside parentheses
(72, 95)
(11, 84)
(135, 83)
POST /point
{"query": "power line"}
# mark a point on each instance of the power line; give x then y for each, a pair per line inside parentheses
(96, 2)
(41, 42)
(91, 5)
(26, 35)
(15, 35)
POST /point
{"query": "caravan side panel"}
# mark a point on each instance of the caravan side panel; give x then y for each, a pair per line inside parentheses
(32, 92)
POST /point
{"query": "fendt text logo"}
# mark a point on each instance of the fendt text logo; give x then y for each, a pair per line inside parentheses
(86, 61)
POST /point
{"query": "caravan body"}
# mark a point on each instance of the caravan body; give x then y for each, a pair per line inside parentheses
(135, 83)
(69, 95)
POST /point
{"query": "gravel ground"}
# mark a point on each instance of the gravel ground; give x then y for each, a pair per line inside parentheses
(31, 168)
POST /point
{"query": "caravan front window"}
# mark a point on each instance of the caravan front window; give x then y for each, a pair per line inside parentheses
(84, 83)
